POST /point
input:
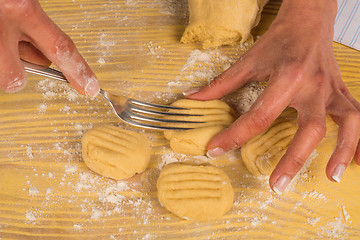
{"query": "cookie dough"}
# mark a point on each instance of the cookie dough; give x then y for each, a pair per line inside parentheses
(114, 152)
(221, 22)
(216, 116)
(195, 192)
(262, 153)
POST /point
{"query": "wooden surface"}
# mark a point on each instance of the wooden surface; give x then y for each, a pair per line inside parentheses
(47, 192)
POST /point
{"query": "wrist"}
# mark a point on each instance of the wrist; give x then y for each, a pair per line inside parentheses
(319, 8)
(317, 17)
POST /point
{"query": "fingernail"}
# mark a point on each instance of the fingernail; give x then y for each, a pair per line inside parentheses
(15, 85)
(191, 91)
(339, 172)
(92, 87)
(214, 152)
(281, 184)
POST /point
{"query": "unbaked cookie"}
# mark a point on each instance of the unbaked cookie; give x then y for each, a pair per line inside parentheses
(195, 192)
(262, 153)
(114, 152)
(216, 116)
(221, 22)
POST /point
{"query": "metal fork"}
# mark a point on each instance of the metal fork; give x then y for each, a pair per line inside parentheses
(134, 112)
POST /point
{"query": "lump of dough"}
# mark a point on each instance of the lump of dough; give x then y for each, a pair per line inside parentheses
(217, 115)
(195, 192)
(221, 22)
(114, 152)
(262, 153)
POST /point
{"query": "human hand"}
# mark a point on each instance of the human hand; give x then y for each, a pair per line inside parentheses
(27, 32)
(296, 57)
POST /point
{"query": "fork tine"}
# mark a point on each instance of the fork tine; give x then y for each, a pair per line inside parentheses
(128, 119)
(150, 111)
(136, 116)
(152, 105)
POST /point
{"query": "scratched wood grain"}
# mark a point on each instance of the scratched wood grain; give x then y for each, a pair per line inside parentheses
(47, 192)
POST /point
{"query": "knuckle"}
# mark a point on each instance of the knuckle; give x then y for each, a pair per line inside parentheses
(64, 47)
(296, 163)
(354, 116)
(15, 8)
(316, 129)
(259, 120)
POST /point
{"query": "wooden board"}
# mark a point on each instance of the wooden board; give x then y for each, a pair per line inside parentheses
(47, 192)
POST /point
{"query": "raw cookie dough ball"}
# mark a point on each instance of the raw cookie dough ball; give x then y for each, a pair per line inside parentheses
(114, 152)
(262, 153)
(221, 22)
(195, 192)
(217, 115)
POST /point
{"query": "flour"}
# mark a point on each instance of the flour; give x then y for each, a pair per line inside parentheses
(335, 229)
(29, 152)
(42, 108)
(70, 168)
(30, 217)
(316, 195)
(345, 214)
(167, 159)
(245, 97)
(77, 227)
(33, 191)
(203, 66)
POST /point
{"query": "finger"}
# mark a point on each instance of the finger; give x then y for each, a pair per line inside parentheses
(233, 78)
(29, 53)
(12, 73)
(356, 104)
(275, 98)
(311, 130)
(340, 111)
(348, 119)
(60, 49)
(357, 154)
(345, 91)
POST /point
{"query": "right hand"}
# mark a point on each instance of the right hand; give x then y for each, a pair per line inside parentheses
(27, 32)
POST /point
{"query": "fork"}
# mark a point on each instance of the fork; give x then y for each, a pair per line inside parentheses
(134, 112)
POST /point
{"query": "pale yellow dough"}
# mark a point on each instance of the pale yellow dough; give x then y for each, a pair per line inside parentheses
(114, 152)
(221, 22)
(262, 153)
(195, 192)
(217, 115)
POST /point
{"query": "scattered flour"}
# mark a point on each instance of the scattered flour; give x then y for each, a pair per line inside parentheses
(167, 159)
(313, 221)
(77, 227)
(70, 168)
(30, 216)
(33, 191)
(335, 229)
(201, 66)
(345, 214)
(29, 152)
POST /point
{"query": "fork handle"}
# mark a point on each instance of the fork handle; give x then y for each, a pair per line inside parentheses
(44, 71)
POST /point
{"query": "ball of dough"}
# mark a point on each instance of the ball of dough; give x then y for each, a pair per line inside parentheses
(221, 22)
(114, 152)
(195, 192)
(216, 116)
(262, 153)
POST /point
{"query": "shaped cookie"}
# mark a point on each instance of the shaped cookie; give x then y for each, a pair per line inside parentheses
(216, 115)
(195, 192)
(262, 153)
(114, 152)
